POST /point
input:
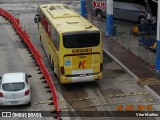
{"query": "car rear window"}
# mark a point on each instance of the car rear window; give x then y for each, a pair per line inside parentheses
(13, 86)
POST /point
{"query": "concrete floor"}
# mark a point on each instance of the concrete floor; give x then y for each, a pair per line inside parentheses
(115, 80)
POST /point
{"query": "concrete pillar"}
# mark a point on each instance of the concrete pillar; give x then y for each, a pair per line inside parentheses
(158, 39)
(109, 15)
(83, 8)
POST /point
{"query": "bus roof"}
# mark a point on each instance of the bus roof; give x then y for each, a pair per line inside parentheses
(65, 19)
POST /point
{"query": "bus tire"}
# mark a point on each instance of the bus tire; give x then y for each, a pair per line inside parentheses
(99, 13)
(141, 20)
(51, 61)
(41, 40)
(52, 66)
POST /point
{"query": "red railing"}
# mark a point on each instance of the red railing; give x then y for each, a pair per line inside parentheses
(36, 54)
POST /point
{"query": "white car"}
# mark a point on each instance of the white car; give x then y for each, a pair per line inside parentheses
(15, 89)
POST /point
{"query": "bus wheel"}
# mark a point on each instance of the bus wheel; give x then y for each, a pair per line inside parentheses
(52, 66)
(41, 40)
(141, 20)
(51, 62)
(99, 13)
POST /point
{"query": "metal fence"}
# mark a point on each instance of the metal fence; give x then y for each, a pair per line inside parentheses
(123, 39)
(143, 53)
(127, 40)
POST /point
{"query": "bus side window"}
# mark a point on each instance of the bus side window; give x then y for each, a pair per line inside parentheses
(55, 38)
(41, 17)
(44, 22)
(46, 25)
(49, 29)
(58, 39)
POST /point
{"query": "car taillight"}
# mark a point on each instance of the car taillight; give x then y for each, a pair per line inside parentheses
(62, 70)
(1, 94)
(101, 67)
(27, 92)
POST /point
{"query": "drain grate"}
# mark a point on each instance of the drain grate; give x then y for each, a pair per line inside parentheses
(148, 81)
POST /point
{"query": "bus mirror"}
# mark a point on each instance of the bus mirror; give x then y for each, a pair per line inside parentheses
(36, 19)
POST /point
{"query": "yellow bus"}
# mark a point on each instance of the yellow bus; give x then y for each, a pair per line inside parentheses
(73, 44)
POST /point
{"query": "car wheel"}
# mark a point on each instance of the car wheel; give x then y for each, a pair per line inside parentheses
(141, 20)
(99, 13)
(29, 104)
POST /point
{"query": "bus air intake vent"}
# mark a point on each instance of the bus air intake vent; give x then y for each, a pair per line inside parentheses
(66, 7)
(72, 22)
(44, 6)
(88, 27)
(61, 12)
(52, 8)
(66, 14)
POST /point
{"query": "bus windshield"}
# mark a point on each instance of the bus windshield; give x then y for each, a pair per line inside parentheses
(81, 40)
